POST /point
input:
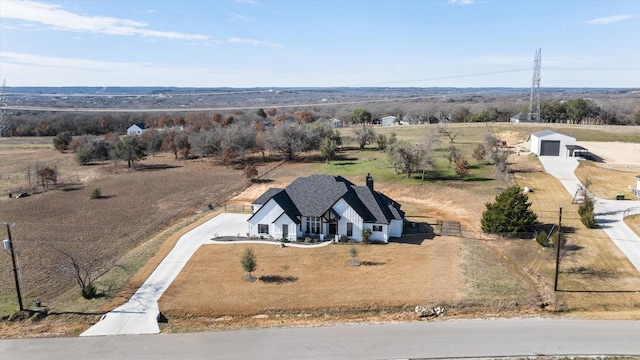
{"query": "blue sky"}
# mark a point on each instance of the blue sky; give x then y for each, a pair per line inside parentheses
(247, 43)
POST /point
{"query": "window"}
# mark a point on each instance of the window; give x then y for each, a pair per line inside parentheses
(263, 228)
(377, 227)
(313, 225)
(349, 229)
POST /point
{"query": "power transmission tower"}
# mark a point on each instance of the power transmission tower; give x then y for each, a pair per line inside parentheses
(535, 89)
(4, 122)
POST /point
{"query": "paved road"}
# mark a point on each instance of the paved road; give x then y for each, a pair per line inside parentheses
(439, 339)
(609, 213)
(139, 315)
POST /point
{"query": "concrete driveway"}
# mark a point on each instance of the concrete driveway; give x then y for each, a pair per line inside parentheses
(609, 213)
(140, 314)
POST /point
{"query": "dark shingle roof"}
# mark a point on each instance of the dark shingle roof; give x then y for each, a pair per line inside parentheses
(315, 194)
(266, 196)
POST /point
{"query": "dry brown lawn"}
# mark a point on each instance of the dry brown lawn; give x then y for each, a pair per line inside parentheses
(633, 222)
(606, 183)
(312, 279)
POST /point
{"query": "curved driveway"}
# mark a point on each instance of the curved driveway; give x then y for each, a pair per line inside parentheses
(140, 314)
(609, 213)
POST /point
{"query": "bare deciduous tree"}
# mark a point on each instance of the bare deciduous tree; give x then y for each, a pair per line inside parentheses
(450, 132)
(288, 139)
(364, 135)
(87, 270)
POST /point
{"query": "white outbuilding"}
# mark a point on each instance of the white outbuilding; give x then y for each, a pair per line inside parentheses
(388, 121)
(136, 129)
(551, 143)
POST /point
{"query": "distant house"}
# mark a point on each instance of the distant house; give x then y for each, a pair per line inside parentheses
(551, 143)
(136, 129)
(327, 207)
(336, 123)
(388, 121)
(519, 117)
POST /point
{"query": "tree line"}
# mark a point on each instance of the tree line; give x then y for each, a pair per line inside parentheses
(575, 110)
(220, 136)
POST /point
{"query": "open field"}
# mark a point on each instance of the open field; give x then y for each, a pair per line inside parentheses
(483, 274)
(135, 205)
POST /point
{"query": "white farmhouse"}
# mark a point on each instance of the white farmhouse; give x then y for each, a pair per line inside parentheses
(327, 207)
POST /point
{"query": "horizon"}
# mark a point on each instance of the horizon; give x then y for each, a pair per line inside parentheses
(318, 44)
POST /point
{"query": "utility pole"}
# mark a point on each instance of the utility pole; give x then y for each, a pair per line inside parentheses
(8, 245)
(558, 245)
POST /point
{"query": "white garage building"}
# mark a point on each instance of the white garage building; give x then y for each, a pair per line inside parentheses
(551, 143)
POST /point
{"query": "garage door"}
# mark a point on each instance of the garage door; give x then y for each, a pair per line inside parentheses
(550, 148)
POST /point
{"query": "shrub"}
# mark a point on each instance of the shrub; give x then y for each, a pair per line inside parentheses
(62, 140)
(462, 167)
(381, 140)
(89, 292)
(563, 238)
(479, 153)
(84, 155)
(542, 238)
(587, 216)
(366, 235)
(96, 193)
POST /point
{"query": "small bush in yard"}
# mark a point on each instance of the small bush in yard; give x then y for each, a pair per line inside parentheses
(366, 235)
(587, 216)
(542, 238)
(96, 193)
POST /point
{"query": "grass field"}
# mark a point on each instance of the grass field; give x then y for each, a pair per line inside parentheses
(144, 211)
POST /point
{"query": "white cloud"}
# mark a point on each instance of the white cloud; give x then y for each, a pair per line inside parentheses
(461, 2)
(254, 42)
(56, 17)
(609, 19)
(238, 17)
(58, 62)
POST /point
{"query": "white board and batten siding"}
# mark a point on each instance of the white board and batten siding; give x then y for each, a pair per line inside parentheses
(381, 235)
(395, 228)
(278, 224)
(348, 215)
(267, 214)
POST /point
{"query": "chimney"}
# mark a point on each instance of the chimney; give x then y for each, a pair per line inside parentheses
(370, 182)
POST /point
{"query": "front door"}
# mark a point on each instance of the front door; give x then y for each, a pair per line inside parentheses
(285, 231)
(333, 228)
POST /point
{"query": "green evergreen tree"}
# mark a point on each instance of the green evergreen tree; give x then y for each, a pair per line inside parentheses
(510, 214)
(249, 263)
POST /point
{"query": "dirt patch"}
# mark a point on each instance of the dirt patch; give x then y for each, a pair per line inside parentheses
(615, 155)
(136, 204)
